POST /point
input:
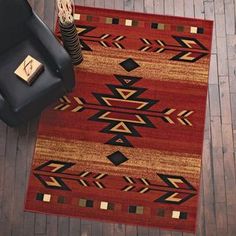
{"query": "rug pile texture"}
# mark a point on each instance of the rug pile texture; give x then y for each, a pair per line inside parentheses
(126, 145)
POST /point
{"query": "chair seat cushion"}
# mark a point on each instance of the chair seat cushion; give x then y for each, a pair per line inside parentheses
(17, 93)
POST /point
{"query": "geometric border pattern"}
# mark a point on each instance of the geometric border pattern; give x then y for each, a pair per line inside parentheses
(104, 205)
(139, 23)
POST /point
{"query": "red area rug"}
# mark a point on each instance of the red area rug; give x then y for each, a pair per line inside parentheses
(126, 145)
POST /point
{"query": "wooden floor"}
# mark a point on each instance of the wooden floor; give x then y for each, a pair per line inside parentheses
(217, 215)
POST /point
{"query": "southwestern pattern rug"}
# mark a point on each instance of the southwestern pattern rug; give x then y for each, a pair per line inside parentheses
(126, 144)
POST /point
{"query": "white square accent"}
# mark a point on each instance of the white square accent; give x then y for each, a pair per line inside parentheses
(47, 197)
(128, 22)
(193, 30)
(104, 205)
(175, 214)
(77, 16)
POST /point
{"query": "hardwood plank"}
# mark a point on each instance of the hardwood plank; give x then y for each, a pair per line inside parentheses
(225, 100)
(214, 100)
(86, 228)
(129, 5)
(154, 232)
(28, 224)
(159, 6)
(119, 230)
(220, 25)
(97, 228)
(119, 5)
(210, 222)
(139, 5)
(208, 202)
(233, 110)
(29, 218)
(99, 3)
(90, 3)
(231, 45)
(109, 4)
(75, 227)
(179, 8)
(80, 2)
(31, 143)
(219, 6)
(209, 11)
(9, 181)
(63, 226)
(213, 76)
(221, 219)
(3, 131)
(201, 215)
(107, 229)
(188, 8)
(229, 168)
(232, 230)
(218, 175)
(149, 6)
(207, 133)
(234, 7)
(40, 224)
(222, 56)
(20, 181)
(188, 234)
(165, 233)
(230, 19)
(199, 9)
(52, 222)
(131, 230)
(169, 7)
(176, 233)
(218, 165)
(143, 231)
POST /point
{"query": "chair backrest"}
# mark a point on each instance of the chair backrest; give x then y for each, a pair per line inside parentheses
(13, 12)
(13, 15)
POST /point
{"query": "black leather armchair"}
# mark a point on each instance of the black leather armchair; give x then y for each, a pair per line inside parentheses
(22, 33)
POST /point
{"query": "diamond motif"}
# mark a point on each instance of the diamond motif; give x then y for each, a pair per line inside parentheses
(117, 158)
(129, 64)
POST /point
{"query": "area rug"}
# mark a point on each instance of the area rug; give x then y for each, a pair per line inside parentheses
(126, 145)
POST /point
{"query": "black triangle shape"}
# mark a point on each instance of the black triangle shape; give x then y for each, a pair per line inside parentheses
(85, 46)
(87, 29)
(120, 140)
(127, 80)
(180, 41)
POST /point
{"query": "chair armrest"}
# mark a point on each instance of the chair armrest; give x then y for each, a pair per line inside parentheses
(5, 113)
(2, 104)
(54, 49)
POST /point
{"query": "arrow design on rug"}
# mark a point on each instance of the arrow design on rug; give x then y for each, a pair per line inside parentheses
(65, 104)
(183, 189)
(56, 174)
(56, 167)
(174, 198)
(189, 49)
(192, 45)
(124, 110)
(181, 116)
(52, 175)
(105, 40)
